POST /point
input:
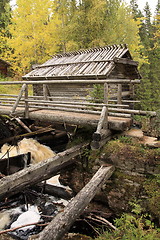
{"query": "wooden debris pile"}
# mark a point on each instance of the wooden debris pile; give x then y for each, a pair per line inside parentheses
(32, 208)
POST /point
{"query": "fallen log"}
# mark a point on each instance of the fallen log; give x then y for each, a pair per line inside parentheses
(63, 221)
(53, 190)
(36, 173)
(29, 134)
(23, 125)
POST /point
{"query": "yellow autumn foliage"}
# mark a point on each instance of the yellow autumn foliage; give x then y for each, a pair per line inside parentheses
(34, 31)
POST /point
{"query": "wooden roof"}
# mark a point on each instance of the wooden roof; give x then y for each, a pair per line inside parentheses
(91, 63)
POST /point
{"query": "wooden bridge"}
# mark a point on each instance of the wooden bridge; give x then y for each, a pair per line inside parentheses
(63, 90)
(111, 113)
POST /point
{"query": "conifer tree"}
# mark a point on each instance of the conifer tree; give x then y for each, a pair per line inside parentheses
(5, 15)
(149, 90)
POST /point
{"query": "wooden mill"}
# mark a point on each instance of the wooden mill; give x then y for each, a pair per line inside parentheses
(64, 90)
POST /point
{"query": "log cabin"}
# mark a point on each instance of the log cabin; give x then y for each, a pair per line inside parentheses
(4, 68)
(109, 62)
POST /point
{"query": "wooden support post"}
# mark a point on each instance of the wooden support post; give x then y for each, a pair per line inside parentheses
(102, 128)
(45, 94)
(106, 96)
(64, 220)
(102, 120)
(15, 183)
(18, 98)
(131, 89)
(119, 94)
(101, 131)
(26, 112)
(48, 93)
(105, 93)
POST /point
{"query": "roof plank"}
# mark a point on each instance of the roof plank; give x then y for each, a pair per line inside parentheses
(84, 63)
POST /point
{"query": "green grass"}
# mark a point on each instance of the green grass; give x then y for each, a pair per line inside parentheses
(11, 89)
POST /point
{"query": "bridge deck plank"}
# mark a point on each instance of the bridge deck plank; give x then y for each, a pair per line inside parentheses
(115, 123)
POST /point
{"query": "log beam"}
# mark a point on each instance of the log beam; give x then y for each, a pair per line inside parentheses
(19, 98)
(50, 80)
(126, 61)
(36, 173)
(64, 220)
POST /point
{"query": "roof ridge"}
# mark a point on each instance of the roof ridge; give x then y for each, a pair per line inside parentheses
(74, 53)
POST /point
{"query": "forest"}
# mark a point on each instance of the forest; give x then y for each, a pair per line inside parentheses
(31, 32)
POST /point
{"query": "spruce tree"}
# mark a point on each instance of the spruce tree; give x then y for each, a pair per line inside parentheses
(149, 90)
(5, 16)
(135, 9)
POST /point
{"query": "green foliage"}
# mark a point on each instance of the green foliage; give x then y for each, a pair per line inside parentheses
(133, 227)
(149, 125)
(148, 91)
(5, 17)
(152, 186)
(97, 94)
(125, 139)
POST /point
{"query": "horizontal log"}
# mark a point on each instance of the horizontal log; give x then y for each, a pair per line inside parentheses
(29, 134)
(126, 61)
(117, 114)
(64, 220)
(63, 98)
(49, 103)
(51, 81)
(65, 109)
(82, 110)
(62, 103)
(36, 173)
(138, 112)
(125, 101)
(8, 95)
(10, 103)
(8, 99)
(55, 191)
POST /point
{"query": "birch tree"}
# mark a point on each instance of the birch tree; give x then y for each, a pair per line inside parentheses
(34, 33)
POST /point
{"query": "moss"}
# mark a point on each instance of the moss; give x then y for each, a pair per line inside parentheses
(149, 125)
(135, 152)
(152, 186)
(121, 176)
